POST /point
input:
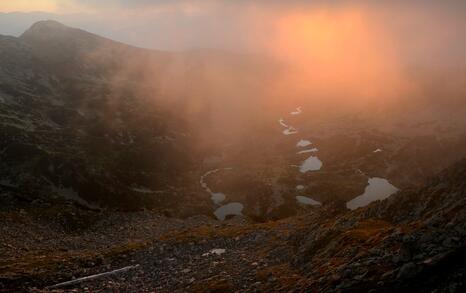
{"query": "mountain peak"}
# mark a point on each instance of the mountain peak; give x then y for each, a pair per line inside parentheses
(50, 23)
(53, 37)
(45, 26)
(50, 30)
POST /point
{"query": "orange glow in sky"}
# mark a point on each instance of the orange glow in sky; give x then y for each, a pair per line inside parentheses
(27, 5)
(337, 50)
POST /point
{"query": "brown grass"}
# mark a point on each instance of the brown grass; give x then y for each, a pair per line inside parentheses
(368, 229)
(38, 263)
(210, 232)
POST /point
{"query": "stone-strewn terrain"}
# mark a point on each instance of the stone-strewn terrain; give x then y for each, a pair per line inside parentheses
(414, 241)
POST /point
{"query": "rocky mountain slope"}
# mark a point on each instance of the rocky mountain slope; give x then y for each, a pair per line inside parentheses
(114, 156)
(63, 127)
(79, 120)
(108, 125)
(414, 241)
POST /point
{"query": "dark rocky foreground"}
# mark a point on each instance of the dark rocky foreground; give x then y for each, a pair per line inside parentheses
(414, 241)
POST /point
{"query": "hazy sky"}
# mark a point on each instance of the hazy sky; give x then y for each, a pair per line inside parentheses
(339, 48)
(231, 24)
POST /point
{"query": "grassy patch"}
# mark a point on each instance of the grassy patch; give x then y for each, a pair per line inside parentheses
(368, 229)
(212, 285)
(210, 232)
(44, 265)
(280, 277)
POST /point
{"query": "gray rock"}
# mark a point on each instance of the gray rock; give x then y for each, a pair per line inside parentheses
(407, 270)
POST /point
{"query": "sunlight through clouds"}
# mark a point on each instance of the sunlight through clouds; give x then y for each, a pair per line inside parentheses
(28, 5)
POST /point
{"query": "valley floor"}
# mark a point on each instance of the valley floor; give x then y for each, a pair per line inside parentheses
(413, 241)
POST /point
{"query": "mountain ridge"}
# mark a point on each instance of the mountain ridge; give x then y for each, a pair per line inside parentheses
(52, 30)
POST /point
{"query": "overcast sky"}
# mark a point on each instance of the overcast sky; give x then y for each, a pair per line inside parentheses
(416, 26)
